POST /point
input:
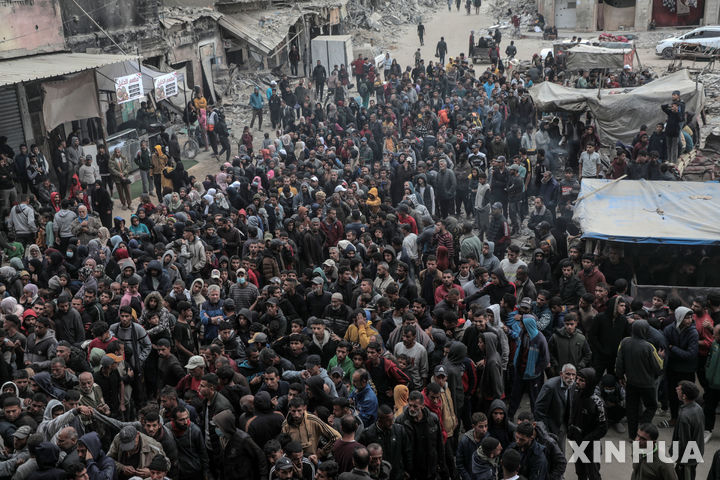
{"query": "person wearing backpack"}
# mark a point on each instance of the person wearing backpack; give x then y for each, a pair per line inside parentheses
(212, 119)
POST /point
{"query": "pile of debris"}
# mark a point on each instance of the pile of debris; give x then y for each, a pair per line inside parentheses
(236, 96)
(711, 81)
(385, 17)
(503, 10)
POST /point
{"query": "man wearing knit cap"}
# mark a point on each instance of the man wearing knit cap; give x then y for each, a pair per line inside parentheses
(485, 459)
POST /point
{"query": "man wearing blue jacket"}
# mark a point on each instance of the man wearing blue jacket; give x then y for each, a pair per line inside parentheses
(366, 402)
(98, 465)
(531, 359)
(256, 102)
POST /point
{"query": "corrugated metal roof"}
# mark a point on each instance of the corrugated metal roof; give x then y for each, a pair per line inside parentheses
(265, 29)
(37, 67)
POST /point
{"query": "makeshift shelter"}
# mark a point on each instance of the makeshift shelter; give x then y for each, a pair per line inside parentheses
(620, 112)
(589, 57)
(641, 211)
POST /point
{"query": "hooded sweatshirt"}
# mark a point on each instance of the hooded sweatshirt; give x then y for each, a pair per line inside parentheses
(490, 262)
(47, 455)
(637, 358)
(496, 323)
(454, 364)
(62, 223)
(100, 466)
(682, 351)
(532, 352)
(505, 431)
(50, 426)
(491, 382)
(587, 418)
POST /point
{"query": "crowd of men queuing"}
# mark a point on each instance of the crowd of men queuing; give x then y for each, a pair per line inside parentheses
(345, 300)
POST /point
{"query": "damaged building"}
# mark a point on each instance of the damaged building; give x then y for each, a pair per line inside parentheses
(49, 44)
(260, 34)
(197, 40)
(592, 15)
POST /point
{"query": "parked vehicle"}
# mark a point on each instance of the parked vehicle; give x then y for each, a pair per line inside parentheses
(707, 37)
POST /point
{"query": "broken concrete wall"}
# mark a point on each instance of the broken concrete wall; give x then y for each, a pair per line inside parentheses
(133, 24)
(189, 3)
(184, 46)
(30, 27)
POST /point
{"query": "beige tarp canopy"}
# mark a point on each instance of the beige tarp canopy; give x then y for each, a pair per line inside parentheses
(588, 57)
(620, 112)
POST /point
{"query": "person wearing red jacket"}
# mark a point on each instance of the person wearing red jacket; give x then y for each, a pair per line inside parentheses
(403, 217)
(358, 67)
(589, 275)
(332, 228)
(384, 374)
(704, 325)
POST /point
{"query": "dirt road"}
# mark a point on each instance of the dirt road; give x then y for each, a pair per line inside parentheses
(456, 26)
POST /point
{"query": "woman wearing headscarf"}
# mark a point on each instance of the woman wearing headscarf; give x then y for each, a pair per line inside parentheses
(207, 201)
(220, 205)
(221, 181)
(175, 204)
(401, 393)
(103, 236)
(10, 306)
(33, 251)
(29, 296)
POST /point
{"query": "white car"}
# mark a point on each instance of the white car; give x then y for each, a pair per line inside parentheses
(708, 36)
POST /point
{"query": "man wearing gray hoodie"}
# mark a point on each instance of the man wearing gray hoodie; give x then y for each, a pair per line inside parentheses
(640, 364)
(62, 225)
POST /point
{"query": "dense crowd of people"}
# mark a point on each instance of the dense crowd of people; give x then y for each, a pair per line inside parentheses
(345, 298)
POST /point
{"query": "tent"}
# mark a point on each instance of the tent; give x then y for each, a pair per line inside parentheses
(587, 57)
(620, 112)
(641, 211)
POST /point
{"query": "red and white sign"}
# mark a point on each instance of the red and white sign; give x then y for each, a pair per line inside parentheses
(166, 86)
(129, 88)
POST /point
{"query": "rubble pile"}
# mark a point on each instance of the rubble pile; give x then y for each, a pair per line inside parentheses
(711, 81)
(236, 96)
(387, 16)
(503, 10)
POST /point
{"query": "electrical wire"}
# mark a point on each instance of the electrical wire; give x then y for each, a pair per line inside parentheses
(63, 23)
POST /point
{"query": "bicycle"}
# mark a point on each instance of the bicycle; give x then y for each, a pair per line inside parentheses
(191, 147)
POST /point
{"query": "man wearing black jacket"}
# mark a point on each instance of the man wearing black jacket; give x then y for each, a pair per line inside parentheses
(556, 461)
(425, 433)
(393, 438)
(191, 454)
(319, 75)
(587, 422)
(672, 129)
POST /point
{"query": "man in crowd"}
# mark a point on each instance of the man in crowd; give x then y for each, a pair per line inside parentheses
(192, 354)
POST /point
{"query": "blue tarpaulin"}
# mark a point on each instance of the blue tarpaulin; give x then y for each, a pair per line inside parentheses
(641, 211)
